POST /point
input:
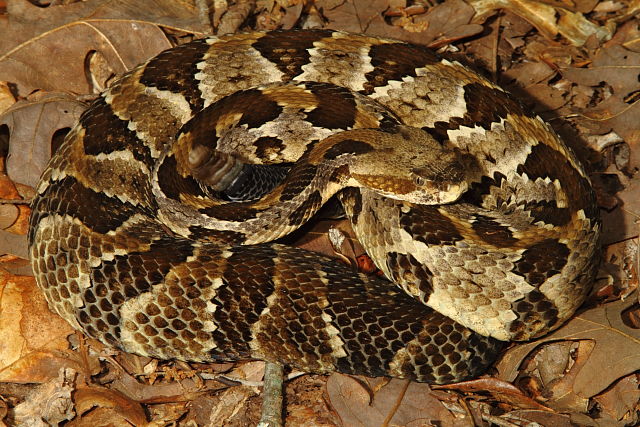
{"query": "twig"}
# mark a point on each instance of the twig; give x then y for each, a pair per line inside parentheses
(272, 396)
(397, 403)
(15, 201)
(233, 381)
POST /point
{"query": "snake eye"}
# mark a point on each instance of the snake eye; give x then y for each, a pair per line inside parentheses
(419, 181)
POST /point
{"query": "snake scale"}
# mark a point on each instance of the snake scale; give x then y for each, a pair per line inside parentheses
(155, 225)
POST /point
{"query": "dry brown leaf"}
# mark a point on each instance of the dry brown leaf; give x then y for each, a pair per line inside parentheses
(168, 414)
(628, 35)
(398, 402)
(622, 224)
(48, 404)
(307, 404)
(100, 417)
(303, 416)
(8, 216)
(6, 97)
(318, 238)
(47, 48)
(619, 68)
(108, 402)
(234, 15)
(34, 345)
(14, 218)
(32, 125)
(499, 390)
(14, 244)
(447, 21)
(179, 391)
(532, 80)
(616, 351)
(228, 406)
(560, 393)
(292, 15)
(549, 20)
(620, 402)
(354, 16)
(528, 74)
(533, 418)
(20, 225)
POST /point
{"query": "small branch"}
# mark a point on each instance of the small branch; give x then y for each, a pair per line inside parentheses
(15, 201)
(272, 396)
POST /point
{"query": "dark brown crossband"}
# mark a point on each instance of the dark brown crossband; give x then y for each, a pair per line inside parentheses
(348, 146)
(545, 162)
(394, 61)
(299, 178)
(429, 226)
(306, 210)
(492, 232)
(248, 282)
(125, 277)
(105, 133)
(173, 184)
(336, 107)
(173, 71)
(94, 209)
(289, 50)
(541, 261)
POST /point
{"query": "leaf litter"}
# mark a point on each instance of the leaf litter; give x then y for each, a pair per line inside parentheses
(576, 63)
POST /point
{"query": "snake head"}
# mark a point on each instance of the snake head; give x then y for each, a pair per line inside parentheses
(412, 166)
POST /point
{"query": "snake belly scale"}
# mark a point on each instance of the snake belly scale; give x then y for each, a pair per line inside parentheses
(144, 236)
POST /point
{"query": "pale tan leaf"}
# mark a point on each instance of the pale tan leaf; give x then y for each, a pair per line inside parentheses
(6, 97)
(87, 398)
(34, 345)
(32, 125)
(619, 403)
(548, 19)
(397, 402)
(616, 351)
(48, 48)
(48, 404)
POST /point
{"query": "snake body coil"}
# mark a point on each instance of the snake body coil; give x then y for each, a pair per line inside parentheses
(153, 223)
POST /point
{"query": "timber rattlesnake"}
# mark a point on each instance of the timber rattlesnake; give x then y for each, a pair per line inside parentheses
(159, 245)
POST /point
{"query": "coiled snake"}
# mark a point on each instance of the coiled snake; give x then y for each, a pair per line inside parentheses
(153, 227)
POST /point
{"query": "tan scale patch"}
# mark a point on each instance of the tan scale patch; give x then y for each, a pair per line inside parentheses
(386, 183)
(292, 96)
(346, 70)
(150, 113)
(230, 65)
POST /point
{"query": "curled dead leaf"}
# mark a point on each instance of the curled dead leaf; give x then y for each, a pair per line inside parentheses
(616, 350)
(34, 345)
(397, 402)
(32, 125)
(87, 398)
(502, 391)
(549, 20)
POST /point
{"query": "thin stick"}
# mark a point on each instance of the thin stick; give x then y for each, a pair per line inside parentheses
(15, 201)
(272, 396)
